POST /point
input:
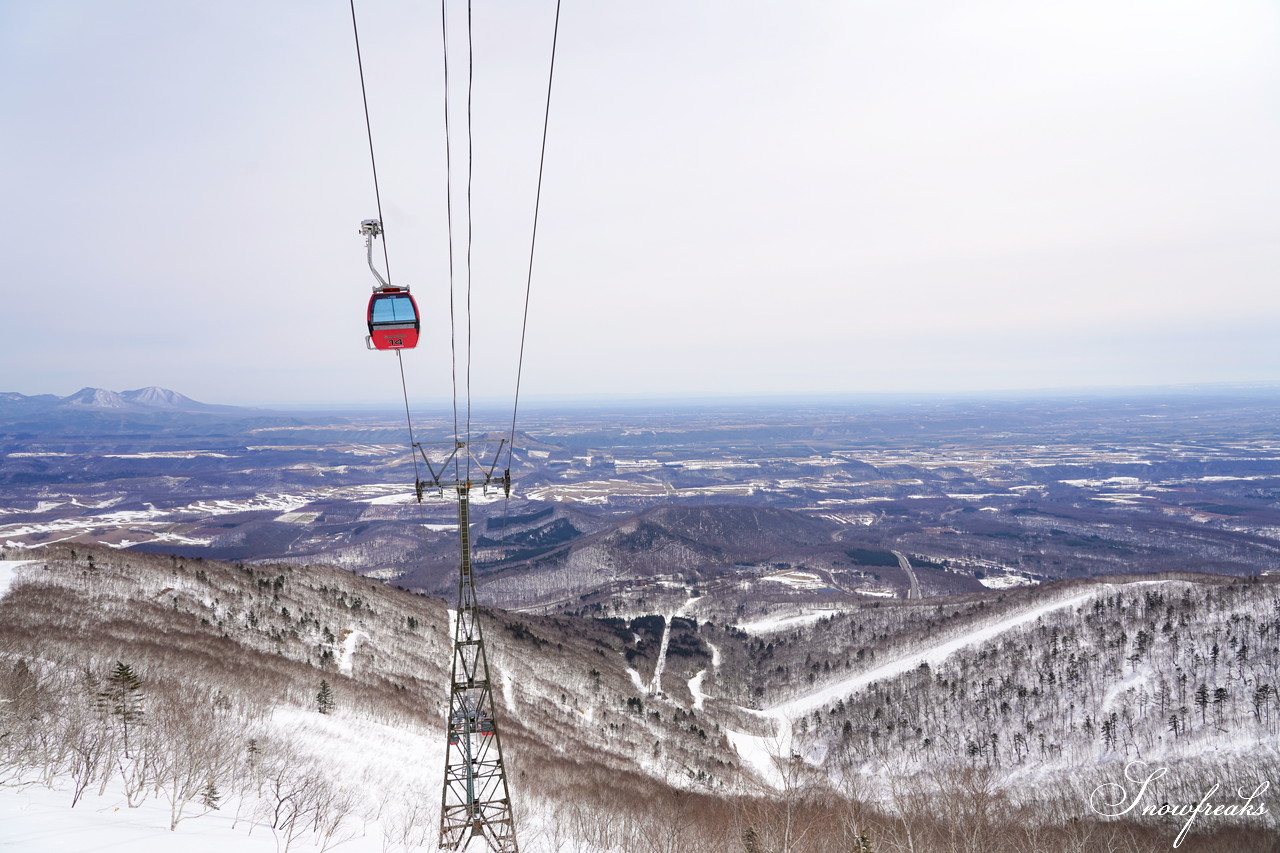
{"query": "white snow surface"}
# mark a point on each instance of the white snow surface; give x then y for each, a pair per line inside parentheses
(400, 498)
(797, 579)
(695, 690)
(1005, 581)
(687, 607)
(369, 758)
(39, 820)
(774, 624)
(350, 637)
(155, 521)
(166, 454)
(656, 687)
(761, 753)
(8, 571)
(637, 681)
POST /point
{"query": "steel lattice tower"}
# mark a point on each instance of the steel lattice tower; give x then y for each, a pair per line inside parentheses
(476, 800)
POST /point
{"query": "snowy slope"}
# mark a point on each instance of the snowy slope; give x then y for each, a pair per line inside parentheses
(37, 820)
(8, 572)
(396, 805)
(607, 735)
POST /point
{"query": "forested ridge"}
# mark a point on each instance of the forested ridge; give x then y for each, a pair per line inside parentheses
(311, 702)
(1159, 671)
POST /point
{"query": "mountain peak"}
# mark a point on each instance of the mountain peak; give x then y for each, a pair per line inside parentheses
(156, 397)
(141, 400)
(96, 398)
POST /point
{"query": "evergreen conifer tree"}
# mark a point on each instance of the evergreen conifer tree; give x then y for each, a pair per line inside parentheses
(324, 698)
(122, 698)
(210, 796)
(1202, 700)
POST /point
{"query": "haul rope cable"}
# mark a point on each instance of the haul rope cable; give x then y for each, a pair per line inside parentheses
(471, 57)
(368, 126)
(448, 207)
(528, 283)
(448, 159)
(377, 195)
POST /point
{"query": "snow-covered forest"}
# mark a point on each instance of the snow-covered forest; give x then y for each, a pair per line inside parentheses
(1156, 672)
(305, 705)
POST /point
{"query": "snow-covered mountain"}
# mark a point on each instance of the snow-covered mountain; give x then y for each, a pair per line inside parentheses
(140, 400)
(95, 398)
(15, 397)
(985, 717)
(155, 397)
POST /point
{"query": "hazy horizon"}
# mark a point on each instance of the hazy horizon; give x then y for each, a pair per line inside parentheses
(488, 407)
(825, 197)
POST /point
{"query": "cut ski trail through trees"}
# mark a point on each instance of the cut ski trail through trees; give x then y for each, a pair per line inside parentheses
(656, 687)
(350, 638)
(761, 752)
(933, 656)
(695, 683)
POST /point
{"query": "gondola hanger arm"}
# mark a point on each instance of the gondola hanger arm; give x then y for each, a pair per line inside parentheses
(372, 228)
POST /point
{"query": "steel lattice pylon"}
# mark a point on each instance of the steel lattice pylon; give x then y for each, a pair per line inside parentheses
(476, 801)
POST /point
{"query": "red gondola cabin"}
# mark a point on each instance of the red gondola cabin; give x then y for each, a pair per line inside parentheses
(393, 319)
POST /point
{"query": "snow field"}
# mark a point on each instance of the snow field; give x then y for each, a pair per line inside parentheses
(393, 776)
(1005, 581)
(351, 637)
(392, 799)
(774, 624)
(797, 579)
(763, 753)
(37, 820)
(8, 572)
(154, 520)
(637, 681)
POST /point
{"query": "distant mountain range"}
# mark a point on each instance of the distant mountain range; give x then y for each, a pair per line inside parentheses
(149, 399)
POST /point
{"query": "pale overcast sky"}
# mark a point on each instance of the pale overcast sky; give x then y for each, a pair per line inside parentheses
(811, 196)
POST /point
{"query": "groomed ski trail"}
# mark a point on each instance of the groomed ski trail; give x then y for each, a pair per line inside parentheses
(762, 753)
